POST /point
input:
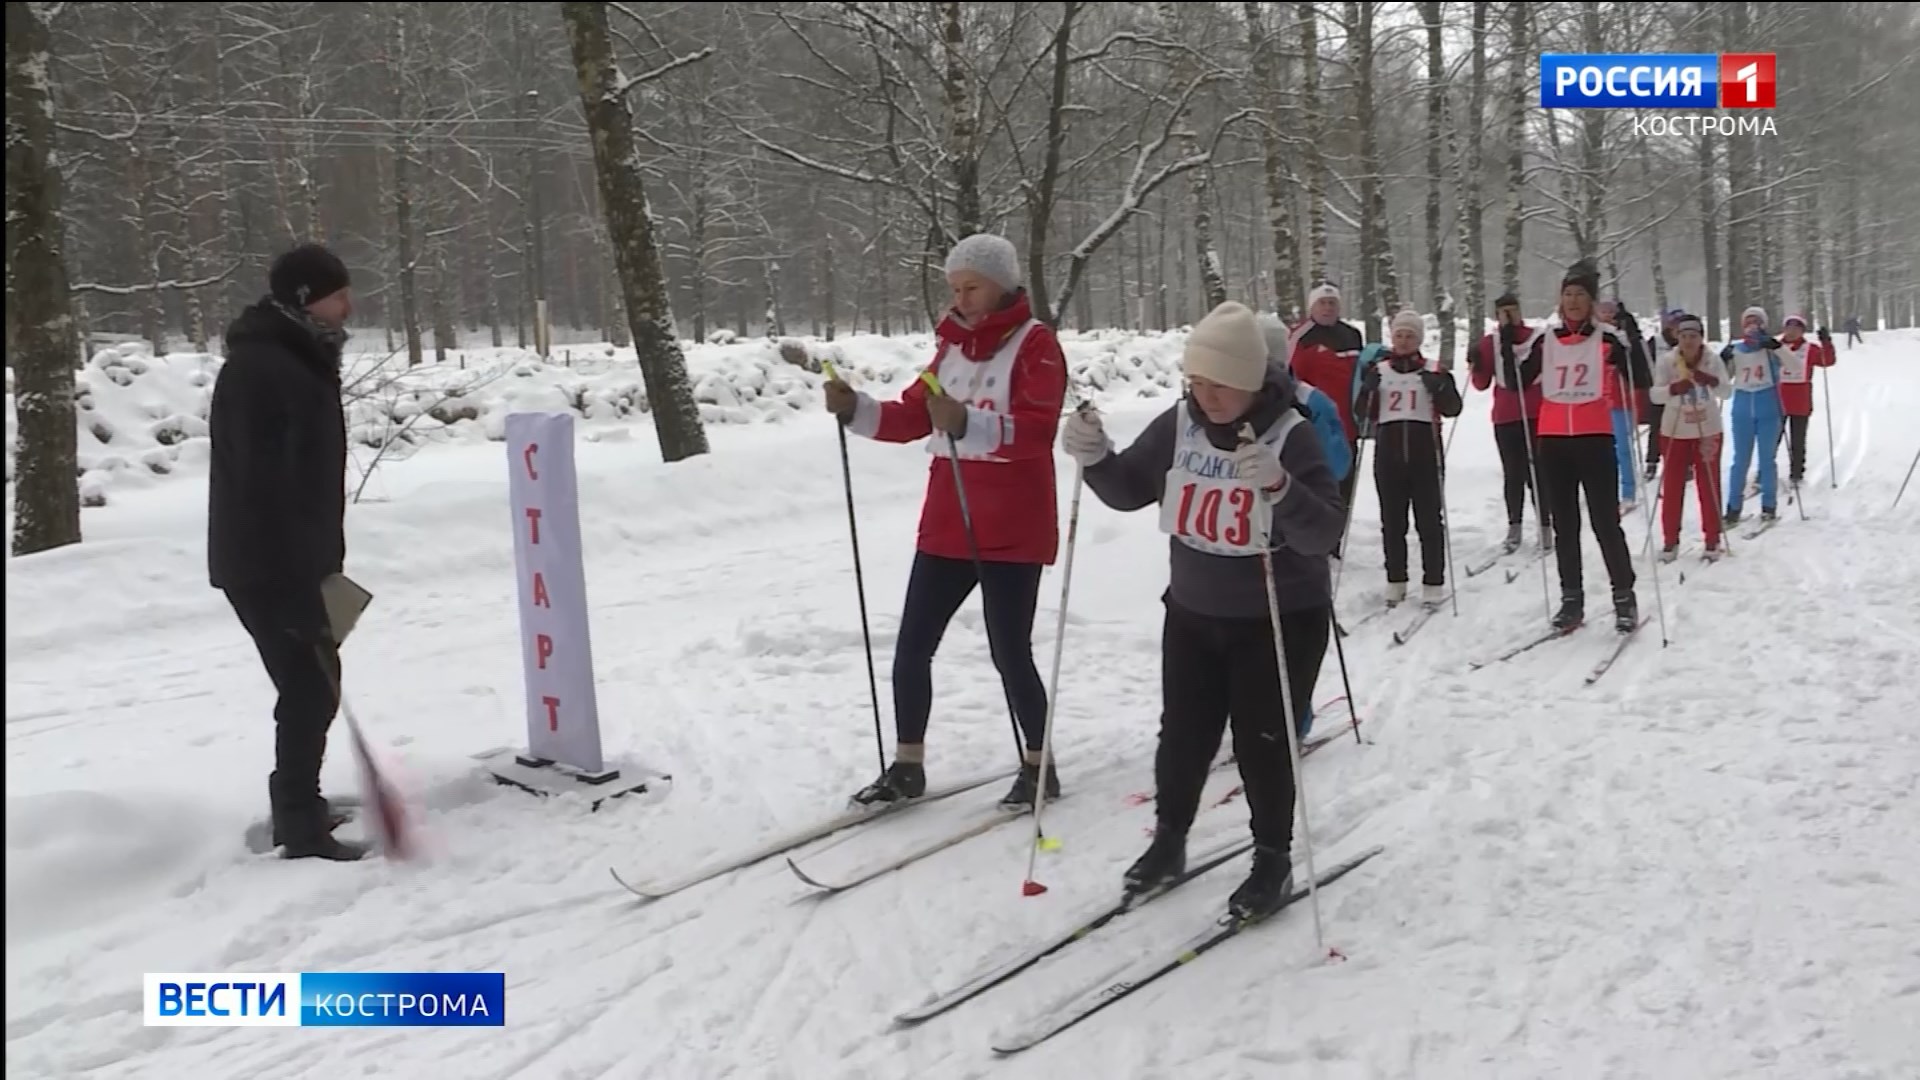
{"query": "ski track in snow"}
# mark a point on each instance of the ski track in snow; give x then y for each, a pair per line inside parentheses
(1700, 866)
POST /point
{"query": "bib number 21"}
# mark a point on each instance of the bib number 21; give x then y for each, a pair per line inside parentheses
(1202, 510)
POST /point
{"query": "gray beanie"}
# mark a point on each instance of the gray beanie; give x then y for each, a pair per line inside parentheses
(992, 257)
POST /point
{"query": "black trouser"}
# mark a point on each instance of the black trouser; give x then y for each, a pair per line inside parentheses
(1213, 670)
(1009, 594)
(1347, 487)
(1854, 336)
(1568, 465)
(1794, 431)
(309, 697)
(1511, 438)
(1654, 415)
(1406, 470)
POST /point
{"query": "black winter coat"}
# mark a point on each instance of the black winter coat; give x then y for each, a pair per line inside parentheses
(276, 489)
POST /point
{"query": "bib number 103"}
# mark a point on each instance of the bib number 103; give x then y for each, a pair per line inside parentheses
(1215, 515)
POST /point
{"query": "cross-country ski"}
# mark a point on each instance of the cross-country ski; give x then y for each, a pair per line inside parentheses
(851, 540)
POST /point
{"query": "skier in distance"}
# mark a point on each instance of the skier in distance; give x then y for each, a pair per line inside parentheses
(1515, 434)
(1401, 400)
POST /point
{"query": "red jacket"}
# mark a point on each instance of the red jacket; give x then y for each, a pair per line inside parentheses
(1796, 398)
(1327, 358)
(1506, 403)
(1008, 465)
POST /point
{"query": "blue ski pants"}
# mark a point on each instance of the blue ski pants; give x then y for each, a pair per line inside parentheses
(1756, 425)
(1623, 452)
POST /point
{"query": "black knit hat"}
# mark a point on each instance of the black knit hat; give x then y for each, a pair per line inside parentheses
(1585, 275)
(1506, 299)
(307, 273)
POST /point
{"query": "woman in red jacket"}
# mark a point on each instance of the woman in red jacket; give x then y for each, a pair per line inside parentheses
(1004, 381)
(1798, 358)
(1514, 433)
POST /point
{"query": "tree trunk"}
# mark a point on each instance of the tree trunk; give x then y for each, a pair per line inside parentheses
(1710, 239)
(534, 228)
(1042, 197)
(1164, 312)
(1518, 85)
(617, 162)
(1213, 285)
(1317, 269)
(832, 300)
(962, 154)
(1280, 211)
(1439, 299)
(46, 494)
(1472, 198)
(776, 325)
(1380, 284)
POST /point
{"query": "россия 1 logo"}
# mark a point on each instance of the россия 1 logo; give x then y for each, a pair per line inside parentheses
(1657, 80)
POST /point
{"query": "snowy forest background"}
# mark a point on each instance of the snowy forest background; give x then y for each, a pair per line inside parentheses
(800, 168)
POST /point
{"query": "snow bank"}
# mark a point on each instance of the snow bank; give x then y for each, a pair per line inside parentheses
(143, 417)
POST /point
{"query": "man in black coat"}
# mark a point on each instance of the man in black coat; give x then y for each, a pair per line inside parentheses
(276, 503)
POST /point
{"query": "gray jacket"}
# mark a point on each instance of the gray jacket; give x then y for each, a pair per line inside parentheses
(1307, 520)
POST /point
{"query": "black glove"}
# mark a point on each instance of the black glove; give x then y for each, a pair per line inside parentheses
(1826, 336)
(1434, 381)
(1772, 342)
(1726, 353)
(1509, 333)
(1370, 377)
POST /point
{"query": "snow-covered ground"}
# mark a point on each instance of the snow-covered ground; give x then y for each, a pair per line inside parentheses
(1693, 868)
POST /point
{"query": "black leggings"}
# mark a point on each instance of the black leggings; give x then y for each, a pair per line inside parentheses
(1511, 438)
(1009, 595)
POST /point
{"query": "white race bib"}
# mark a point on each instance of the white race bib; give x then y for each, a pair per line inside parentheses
(1206, 505)
(1572, 374)
(1402, 395)
(1751, 370)
(983, 384)
(1793, 363)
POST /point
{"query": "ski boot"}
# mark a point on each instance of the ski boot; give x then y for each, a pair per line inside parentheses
(1512, 543)
(1669, 552)
(1396, 593)
(325, 846)
(336, 817)
(1573, 611)
(1767, 516)
(1266, 889)
(1165, 859)
(903, 780)
(1024, 785)
(1628, 506)
(1714, 551)
(1626, 611)
(1432, 596)
(1732, 519)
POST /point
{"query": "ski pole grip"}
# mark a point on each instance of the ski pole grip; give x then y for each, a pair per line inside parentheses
(932, 382)
(827, 368)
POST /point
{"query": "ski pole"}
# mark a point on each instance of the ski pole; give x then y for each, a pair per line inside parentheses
(1031, 887)
(1826, 392)
(1908, 480)
(1653, 564)
(1346, 527)
(1541, 512)
(979, 566)
(859, 578)
(389, 815)
(1286, 704)
(1340, 652)
(1446, 519)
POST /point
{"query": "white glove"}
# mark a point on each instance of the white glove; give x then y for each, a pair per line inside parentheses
(1084, 438)
(1259, 466)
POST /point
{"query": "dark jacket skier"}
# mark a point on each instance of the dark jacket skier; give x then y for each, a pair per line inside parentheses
(275, 510)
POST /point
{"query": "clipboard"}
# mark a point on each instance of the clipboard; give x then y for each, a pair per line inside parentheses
(344, 600)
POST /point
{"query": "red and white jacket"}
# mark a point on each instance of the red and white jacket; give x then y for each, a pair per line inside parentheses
(1009, 371)
(1577, 370)
(1796, 374)
(1486, 372)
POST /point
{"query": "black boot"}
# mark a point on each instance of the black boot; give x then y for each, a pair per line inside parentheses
(1573, 611)
(1266, 889)
(1626, 611)
(336, 817)
(903, 780)
(1024, 785)
(325, 846)
(1166, 859)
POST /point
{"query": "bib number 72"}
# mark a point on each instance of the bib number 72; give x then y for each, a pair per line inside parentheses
(1201, 512)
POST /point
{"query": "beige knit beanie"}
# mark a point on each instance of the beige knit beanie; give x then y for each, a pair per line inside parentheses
(1228, 347)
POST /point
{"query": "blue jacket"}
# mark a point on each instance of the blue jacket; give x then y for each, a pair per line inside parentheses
(1333, 434)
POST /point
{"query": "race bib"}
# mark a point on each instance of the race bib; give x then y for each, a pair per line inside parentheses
(1571, 375)
(1217, 515)
(1751, 370)
(1403, 396)
(1793, 364)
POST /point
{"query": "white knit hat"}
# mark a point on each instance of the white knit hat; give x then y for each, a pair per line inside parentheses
(1228, 347)
(992, 257)
(1410, 319)
(1323, 291)
(1752, 311)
